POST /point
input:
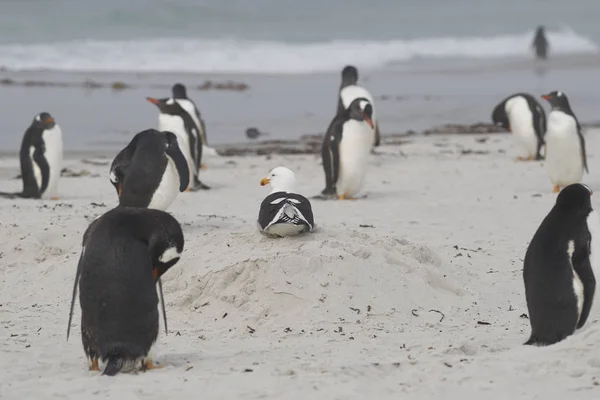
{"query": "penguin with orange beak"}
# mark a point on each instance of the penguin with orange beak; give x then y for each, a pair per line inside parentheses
(346, 150)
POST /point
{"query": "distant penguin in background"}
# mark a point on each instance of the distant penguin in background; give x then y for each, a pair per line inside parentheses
(565, 145)
(124, 254)
(346, 149)
(174, 118)
(150, 171)
(521, 114)
(559, 266)
(41, 159)
(179, 93)
(540, 43)
(284, 212)
(351, 90)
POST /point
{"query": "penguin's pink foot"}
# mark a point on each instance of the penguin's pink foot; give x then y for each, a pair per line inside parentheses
(556, 189)
(188, 190)
(55, 198)
(202, 166)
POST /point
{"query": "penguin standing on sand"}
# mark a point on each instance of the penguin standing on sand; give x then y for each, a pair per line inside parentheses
(559, 267)
(346, 148)
(124, 254)
(565, 145)
(150, 171)
(522, 115)
(41, 159)
(284, 212)
(179, 93)
(173, 118)
(351, 90)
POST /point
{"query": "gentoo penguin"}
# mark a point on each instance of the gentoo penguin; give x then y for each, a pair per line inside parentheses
(565, 145)
(540, 43)
(346, 150)
(150, 171)
(124, 254)
(283, 212)
(522, 115)
(41, 159)
(350, 90)
(559, 267)
(173, 118)
(179, 93)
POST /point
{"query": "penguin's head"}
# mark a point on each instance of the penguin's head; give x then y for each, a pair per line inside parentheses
(44, 121)
(281, 179)
(179, 91)
(557, 99)
(575, 197)
(349, 75)
(361, 110)
(167, 105)
(500, 116)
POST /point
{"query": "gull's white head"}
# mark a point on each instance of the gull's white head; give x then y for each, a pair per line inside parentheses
(281, 179)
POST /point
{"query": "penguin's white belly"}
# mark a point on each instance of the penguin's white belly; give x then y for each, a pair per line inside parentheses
(54, 156)
(175, 124)
(577, 284)
(564, 162)
(354, 151)
(167, 189)
(521, 126)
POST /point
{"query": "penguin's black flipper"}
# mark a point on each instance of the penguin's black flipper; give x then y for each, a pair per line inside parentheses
(583, 268)
(40, 160)
(331, 156)
(377, 135)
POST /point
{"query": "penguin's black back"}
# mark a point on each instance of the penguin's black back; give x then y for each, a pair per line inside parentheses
(31, 138)
(548, 271)
(117, 287)
(145, 169)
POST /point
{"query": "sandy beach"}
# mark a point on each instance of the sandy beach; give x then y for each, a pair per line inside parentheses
(413, 292)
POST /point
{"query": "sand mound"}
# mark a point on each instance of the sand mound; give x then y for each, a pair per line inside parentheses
(326, 277)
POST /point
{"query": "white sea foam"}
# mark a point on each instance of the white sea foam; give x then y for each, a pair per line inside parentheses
(208, 55)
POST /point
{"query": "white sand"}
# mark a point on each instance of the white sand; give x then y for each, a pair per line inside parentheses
(343, 313)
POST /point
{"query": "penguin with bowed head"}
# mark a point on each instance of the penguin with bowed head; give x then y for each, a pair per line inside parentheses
(124, 254)
(284, 212)
(351, 90)
(179, 93)
(565, 145)
(559, 266)
(41, 159)
(150, 171)
(524, 117)
(173, 118)
(346, 149)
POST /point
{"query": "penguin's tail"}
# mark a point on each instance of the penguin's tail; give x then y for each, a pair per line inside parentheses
(11, 195)
(113, 365)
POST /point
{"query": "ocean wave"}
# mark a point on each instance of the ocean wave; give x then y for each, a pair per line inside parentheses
(238, 56)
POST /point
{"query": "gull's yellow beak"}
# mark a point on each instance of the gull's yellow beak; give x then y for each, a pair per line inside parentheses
(264, 181)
